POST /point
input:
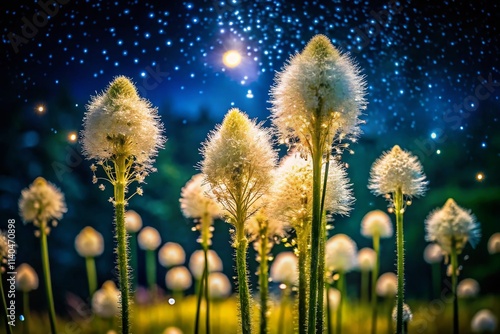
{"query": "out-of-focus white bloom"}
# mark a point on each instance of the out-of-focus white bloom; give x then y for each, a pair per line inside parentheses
(89, 242)
(178, 279)
(468, 288)
(484, 321)
(219, 286)
(42, 201)
(407, 315)
(366, 259)
(452, 222)
(238, 164)
(171, 254)
(26, 278)
(105, 301)
(149, 238)
(197, 199)
(340, 253)
(433, 253)
(494, 243)
(197, 263)
(133, 221)
(261, 222)
(120, 123)
(387, 285)
(318, 86)
(172, 330)
(376, 222)
(285, 268)
(334, 296)
(397, 169)
(290, 201)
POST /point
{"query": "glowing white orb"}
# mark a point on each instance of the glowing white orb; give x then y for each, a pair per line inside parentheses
(231, 58)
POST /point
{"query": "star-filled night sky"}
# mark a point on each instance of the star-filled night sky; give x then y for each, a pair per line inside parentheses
(432, 71)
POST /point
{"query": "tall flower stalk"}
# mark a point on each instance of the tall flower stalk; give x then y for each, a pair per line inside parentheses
(40, 204)
(26, 281)
(197, 202)
(451, 227)
(133, 223)
(238, 163)
(434, 256)
(316, 101)
(149, 240)
(284, 270)
(122, 132)
(89, 244)
(398, 176)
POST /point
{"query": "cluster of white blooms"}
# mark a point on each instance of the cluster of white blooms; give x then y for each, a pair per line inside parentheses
(376, 223)
(219, 286)
(26, 278)
(171, 254)
(319, 86)
(397, 169)
(387, 285)
(149, 238)
(340, 253)
(367, 258)
(41, 202)
(433, 254)
(178, 279)
(484, 321)
(197, 263)
(494, 243)
(285, 269)
(106, 300)
(89, 242)
(450, 225)
(133, 221)
(468, 288)
(198, 200)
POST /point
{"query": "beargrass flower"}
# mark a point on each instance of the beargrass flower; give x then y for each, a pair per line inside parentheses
(219, 286)
(285, 270)
(468, 288)
(172, 330)
(433, 255)
(178, 279)
(494, 243)
(484, 321)
(407, 316)
(89, 244)
(387, 285)
(367, 259)
(171, 254)
(133, 221)
(149, 239)
(106, 300)
(197, 263)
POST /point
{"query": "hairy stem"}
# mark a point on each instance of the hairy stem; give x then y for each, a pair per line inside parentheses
(205, 291)
(376, 248)
(199, 291)
(263, 280)
(303, 281)
(46, 274)
(4, 305)
(91, 275)
(241, 264)
(454, 269)
(398, 207)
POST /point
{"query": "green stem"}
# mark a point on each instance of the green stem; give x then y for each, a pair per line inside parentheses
(4, 305)
(121, 236)
(46, 274)
(389, 307)
(284, 303)
(263, 281)
(398, 207)
(341, 287)
(178, 296)
(91, 275)
(315, 238)
(303, 281)
(365, 278)
(26, 312)
(206, 222)
(133, 260)
(376, 248)
(328, 310)
(454, 269)
(207, 302)
(151, 271)
(436, 279)
(198, 303)
(241, 264)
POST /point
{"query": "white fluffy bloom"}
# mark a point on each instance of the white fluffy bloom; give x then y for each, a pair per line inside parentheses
(340, 253)
(290, 201)
(484, 321)
(219, 286)
(133, 221)
(318, 86)
(105, 301)
(26, 278)
(149, 238)
(285, 268)
(171, 254)
(41, 202)
(238, 164)
(178, 279)
(89, 242)
(387, 285)
(397, 169)
(197, 199)
(433, 254)
(197, 263)
(376, 222)
(119, 122)
(467, 288)
(366, 259)
(334, 297)
(452, 223)
(407, 315)
(494, 243)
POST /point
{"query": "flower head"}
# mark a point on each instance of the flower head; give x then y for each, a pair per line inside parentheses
(433, 254)
(238, 163)
(318, 86)
(89, 243)
(178, 279)
(26, 278)
(340, 253)
(263, 226)
(467, 288)
(367, 258)
(397, 169)
(494, 243)
(484, 321)
(387, 285)
(334, 297)
(133, 221)
(149, 238)
(171, 254)
(197, 199)
(285, 268)
(219, 286)
(197, 263)
(407, 315)
(452, 224)
(105, 301)
(378, 223)
(41, 202)
(120, 123)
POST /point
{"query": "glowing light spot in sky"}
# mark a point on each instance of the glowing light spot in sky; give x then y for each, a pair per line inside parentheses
(438, 151)
(72, 137)
(40, 109)
(480, 177)
(231, 58)
(433, 135)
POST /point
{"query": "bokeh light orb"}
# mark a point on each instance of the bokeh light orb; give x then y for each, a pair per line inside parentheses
(231, 58)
